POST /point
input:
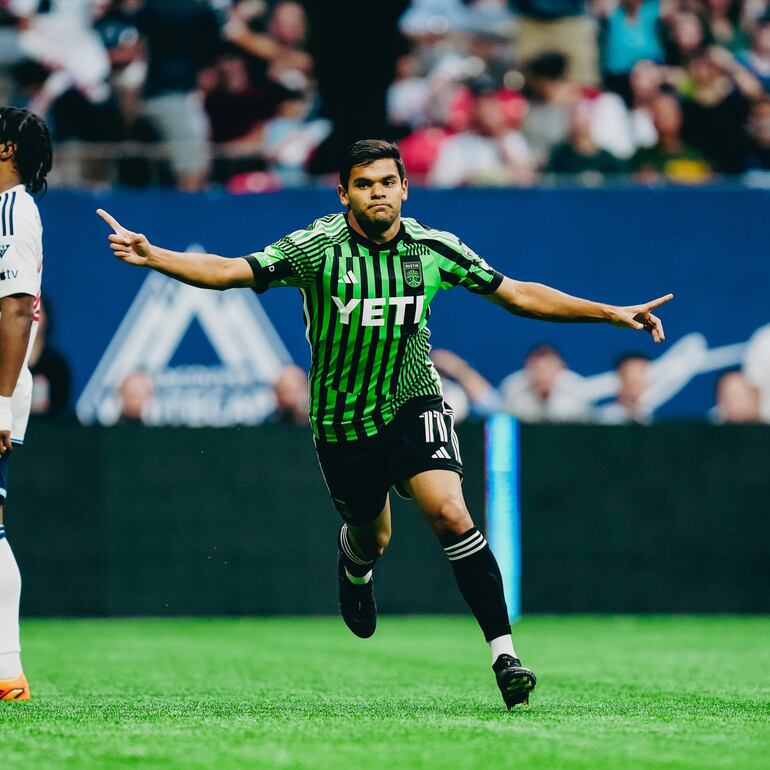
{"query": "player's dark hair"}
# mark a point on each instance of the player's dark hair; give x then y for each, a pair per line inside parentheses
(367, 151)
(32, 146)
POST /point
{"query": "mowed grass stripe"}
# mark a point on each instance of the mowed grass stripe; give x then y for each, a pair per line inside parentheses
(304, 693)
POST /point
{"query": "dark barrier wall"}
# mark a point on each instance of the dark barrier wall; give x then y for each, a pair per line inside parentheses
(177, 521)
(671, 518)
(708, 246)
(137, 521)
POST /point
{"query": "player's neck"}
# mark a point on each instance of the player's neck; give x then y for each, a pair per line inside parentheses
(9, 177)
(376, 237)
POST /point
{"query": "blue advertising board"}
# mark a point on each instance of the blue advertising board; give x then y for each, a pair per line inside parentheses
(707, 246)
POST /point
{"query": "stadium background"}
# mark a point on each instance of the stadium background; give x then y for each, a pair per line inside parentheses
(557, 165)
(455, 83)
(665, 515)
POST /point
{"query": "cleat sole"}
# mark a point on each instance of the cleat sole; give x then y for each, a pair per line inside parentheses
(518, 690)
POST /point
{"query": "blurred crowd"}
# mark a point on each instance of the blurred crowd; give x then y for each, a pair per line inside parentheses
(250, 93)
(546, 390)
(651, 90)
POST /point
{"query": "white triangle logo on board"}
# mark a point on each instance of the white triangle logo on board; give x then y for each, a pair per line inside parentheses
(134, 380)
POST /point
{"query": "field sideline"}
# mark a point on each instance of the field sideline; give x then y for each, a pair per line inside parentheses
(681, 692)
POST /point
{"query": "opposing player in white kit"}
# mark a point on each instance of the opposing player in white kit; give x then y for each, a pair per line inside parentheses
(25, 160)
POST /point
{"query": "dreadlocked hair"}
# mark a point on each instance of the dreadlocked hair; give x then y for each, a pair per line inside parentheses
(29, 135)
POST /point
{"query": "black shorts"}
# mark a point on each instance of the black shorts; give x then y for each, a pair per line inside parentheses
(360, 473)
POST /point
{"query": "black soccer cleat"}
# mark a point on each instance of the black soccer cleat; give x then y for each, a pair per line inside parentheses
(515, 681)
(357, 605)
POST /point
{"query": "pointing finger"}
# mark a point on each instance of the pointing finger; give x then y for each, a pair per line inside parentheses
(110, 220)
(660, 301)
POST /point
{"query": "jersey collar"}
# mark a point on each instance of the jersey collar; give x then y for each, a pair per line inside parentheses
(371, 245)
(19, 186)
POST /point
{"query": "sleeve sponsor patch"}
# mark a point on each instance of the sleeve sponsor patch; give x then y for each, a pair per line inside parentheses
(471, 254)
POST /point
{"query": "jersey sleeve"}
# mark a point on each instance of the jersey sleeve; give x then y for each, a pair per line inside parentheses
(459, 265)
(20, 259)
(291, 261)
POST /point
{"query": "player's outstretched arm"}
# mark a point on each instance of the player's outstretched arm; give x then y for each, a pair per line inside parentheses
(206, 271)
(535, 300)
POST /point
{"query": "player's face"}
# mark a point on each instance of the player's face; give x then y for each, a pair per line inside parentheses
(374, 194)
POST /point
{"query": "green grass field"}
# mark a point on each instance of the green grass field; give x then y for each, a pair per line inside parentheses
(304, 693)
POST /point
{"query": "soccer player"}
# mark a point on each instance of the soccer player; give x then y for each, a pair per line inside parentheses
(25, 160)
(367, 276)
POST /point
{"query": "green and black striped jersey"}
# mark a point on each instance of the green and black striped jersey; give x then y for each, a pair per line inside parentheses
(366, 310)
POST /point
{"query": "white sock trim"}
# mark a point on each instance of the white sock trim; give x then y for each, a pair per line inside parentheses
(359, 581)
(474, 543)
(502, 645)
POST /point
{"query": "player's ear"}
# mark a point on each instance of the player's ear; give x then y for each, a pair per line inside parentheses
(343, 193)
(7, 150)
(404, 189)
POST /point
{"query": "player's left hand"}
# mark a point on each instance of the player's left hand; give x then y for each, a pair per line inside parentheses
(6, 423)
(641, 318)
(5, 442)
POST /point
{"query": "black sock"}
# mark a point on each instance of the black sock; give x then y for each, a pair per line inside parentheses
(480, 581)
(354, 564)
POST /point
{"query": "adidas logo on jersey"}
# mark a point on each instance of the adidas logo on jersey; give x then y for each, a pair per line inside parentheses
(349, 277)
(441, 454)
(3, 249)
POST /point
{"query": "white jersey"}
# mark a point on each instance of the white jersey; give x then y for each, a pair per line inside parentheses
(21, 271)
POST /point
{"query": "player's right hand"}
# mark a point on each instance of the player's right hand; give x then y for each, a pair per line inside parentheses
(6, 422)
(129, 247)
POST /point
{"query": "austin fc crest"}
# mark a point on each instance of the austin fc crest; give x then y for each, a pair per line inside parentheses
(413, 274)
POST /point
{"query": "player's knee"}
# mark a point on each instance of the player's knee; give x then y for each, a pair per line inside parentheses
(382, 540)
(450, 516)
(372, 545)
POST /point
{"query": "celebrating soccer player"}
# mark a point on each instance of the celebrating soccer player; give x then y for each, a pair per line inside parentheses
(367, 277)
(25, 160)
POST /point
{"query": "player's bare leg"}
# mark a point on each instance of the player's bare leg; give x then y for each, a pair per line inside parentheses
(369, 541)
(359, 548)
(439, 495)
(13, 683)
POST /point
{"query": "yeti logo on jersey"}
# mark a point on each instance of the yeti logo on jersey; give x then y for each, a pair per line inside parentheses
(373, 309)
(413, 274)
(3, 248)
